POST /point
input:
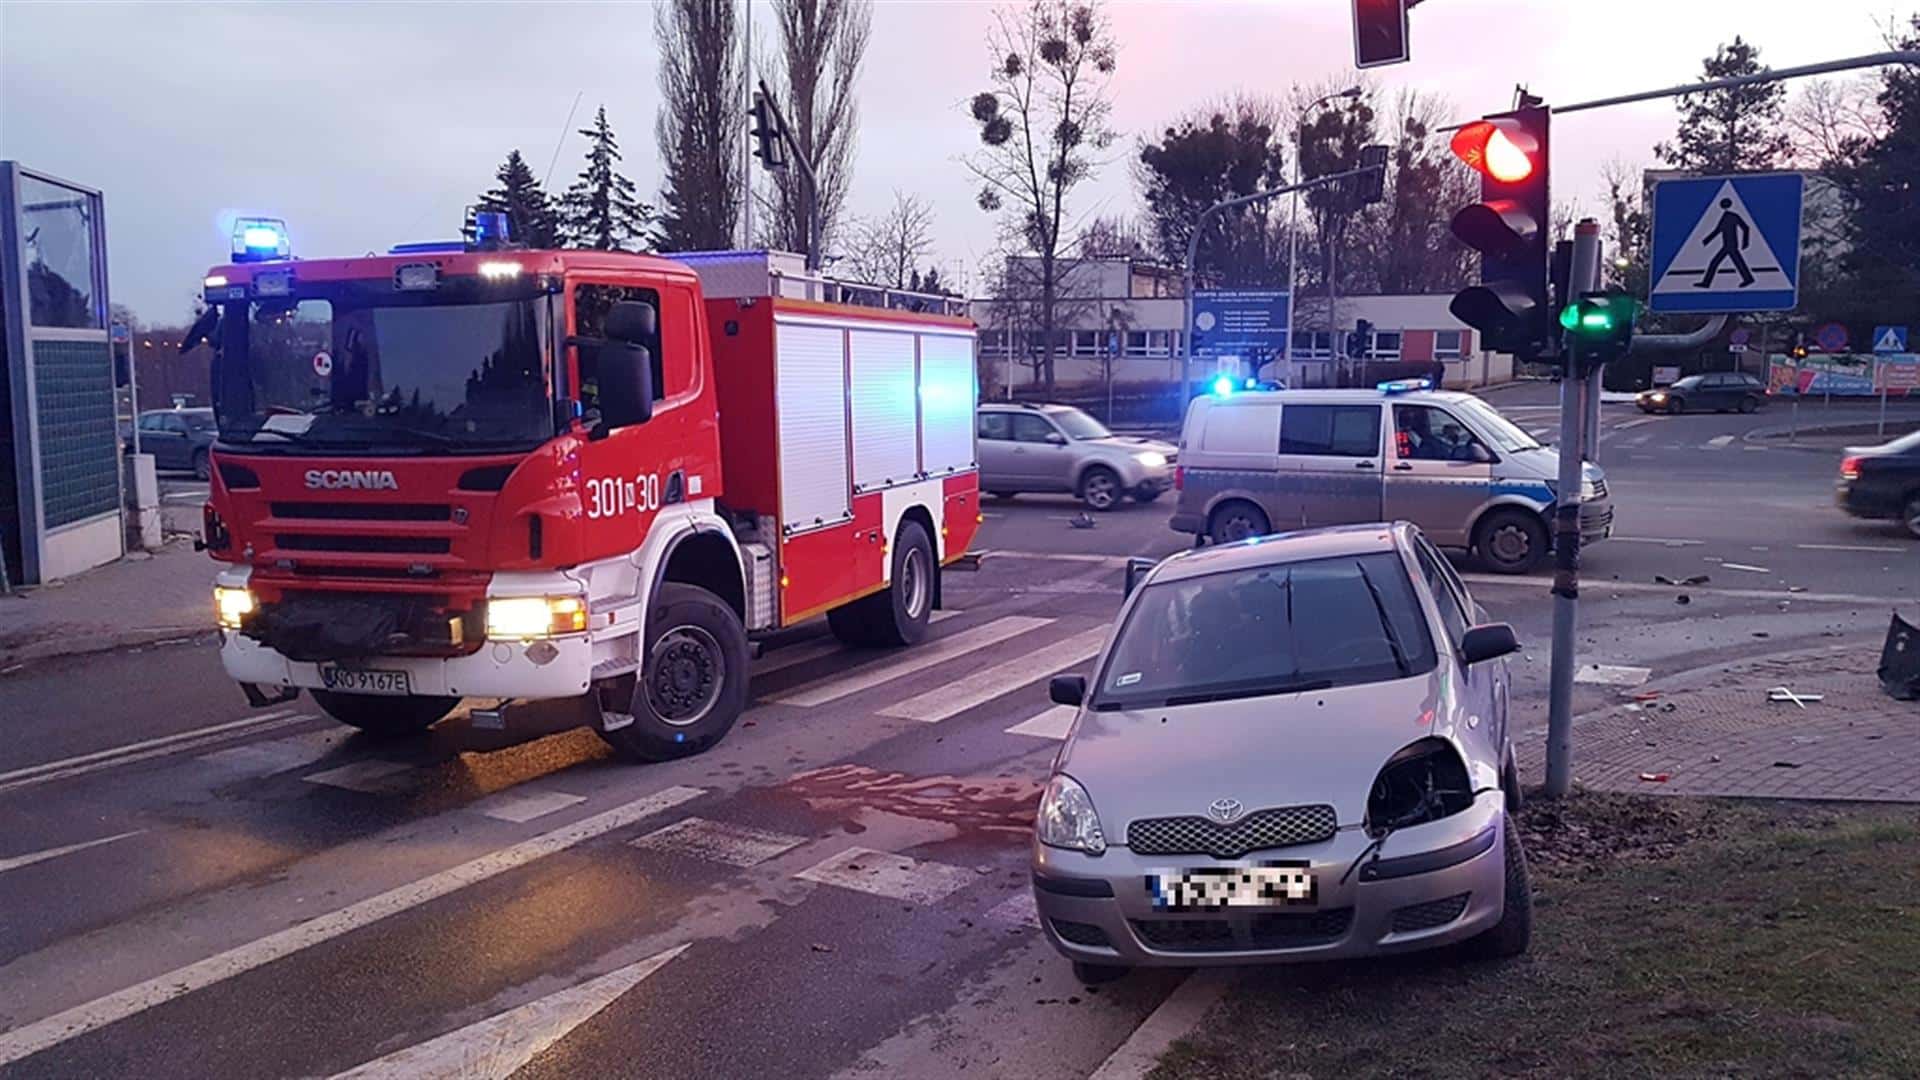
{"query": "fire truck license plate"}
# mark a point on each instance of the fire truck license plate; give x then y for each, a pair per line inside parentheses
(362, 681)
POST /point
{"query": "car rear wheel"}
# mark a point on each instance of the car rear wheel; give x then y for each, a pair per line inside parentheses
(1100, 488)
(1514, 932)
(202, 465)
(385, 717)
(1749, 403)
(1237, 520)
(1911, 515)
(1511, 541)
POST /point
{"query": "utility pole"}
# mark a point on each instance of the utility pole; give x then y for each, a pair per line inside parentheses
(1575, 385)
(746, 148)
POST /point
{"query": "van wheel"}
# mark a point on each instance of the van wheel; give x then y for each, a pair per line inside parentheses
(1100, 488)
(385, 717)
(692, 683)
(1511, 541)
(1236, 521)
(898, 614)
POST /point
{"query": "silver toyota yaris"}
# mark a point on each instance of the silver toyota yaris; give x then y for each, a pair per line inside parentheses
(1293, 748)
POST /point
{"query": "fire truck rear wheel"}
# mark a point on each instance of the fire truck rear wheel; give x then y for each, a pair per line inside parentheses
(385, 717)
(693, 682)
(898, 614)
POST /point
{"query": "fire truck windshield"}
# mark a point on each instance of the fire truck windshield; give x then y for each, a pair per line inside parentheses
(357, 372)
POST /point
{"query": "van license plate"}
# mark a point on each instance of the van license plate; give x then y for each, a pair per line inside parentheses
(1233, 886)
(365, 681)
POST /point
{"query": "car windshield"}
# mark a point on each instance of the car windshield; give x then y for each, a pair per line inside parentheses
(1503, 433)
(1079, 425)
(1270, 629)
(392, 370)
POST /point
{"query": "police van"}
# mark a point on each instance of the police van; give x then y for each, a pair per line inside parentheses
(1256, 461)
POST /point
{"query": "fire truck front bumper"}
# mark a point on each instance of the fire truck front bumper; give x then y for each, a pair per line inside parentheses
(557, 667)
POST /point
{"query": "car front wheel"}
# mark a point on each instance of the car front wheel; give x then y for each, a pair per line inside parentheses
(1100, 488)
(1514, 932)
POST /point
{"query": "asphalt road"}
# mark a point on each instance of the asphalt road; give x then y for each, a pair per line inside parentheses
(191, 887)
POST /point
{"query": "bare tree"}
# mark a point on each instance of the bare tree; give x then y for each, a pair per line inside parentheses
(700, 123)
(820, 44)
(890, 249)
(1115, 237)
(1829, 117)
(1413, 249)
(1041, 121)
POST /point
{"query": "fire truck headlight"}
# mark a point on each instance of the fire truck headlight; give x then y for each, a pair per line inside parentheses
(518, 618)
(230, 605)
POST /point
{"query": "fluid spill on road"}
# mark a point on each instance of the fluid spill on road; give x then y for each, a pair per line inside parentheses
(970, 804)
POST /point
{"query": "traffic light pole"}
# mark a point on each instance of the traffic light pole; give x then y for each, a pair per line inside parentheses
(1575, 387)
(814, 238)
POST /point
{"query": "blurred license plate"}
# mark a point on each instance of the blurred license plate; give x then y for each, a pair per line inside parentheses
(1215, 888)
(364, 681)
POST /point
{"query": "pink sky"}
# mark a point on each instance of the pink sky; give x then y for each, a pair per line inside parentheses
(370, 124)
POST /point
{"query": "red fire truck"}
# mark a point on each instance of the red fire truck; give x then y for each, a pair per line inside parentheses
(477, 471)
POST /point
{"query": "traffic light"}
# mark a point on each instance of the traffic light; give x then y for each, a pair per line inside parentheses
(1361, 344)
(1508, 227)
(768, 143)
(1599, 328)
(1371, 187)
(1380, 32)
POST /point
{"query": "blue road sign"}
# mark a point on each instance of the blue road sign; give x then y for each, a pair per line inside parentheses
(1889, 339)
(1726, 243)
(1831, 337)
(1239, 320)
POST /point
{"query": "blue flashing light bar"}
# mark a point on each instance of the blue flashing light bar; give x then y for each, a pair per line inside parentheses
(260, 240)
(430, 247)
(491, 230)
(1401, 386)
(1223, 386)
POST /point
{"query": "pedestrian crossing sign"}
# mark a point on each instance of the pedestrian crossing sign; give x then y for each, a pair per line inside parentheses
(1726, 243)
(1889, 339)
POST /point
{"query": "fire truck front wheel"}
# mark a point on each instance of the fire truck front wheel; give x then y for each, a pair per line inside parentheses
(899, 613)
(692, 685)
(385, 717)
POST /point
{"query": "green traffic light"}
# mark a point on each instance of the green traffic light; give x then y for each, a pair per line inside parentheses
(1599, 317)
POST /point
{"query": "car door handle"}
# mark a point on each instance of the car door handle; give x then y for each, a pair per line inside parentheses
(1403, 467)
(1363, 464)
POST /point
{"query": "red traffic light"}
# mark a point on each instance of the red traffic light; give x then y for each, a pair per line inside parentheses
(1501, 148)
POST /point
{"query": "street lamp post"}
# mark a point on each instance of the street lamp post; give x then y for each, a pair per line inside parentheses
(1293, 225)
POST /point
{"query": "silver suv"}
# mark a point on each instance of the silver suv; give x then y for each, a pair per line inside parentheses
(1029, 447)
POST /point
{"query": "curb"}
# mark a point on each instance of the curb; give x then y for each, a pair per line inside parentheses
(33, 651)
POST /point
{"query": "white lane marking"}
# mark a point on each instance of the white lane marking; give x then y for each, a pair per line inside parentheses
(521, 807)
(883, 873)
(32, 1038)
(983, 686)
(1049, 724)
(1055, 556)
(499, 1046)
(1016, 910)
(1654, 540)
(1849, 547)
(822, 691)
(374, 777)
(1611, 674)
(1636, 423)
(1539, 431)
(719, 841)
(800, 654)
(1179, 1014)
(1639, 587)
(1751, 448)
(15, 862)
(67, 768)
(275, 755)
(1744, 566)
(1718, 442)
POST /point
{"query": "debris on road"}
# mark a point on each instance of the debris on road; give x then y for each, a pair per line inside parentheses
(1899, 668)
(1744, 566)
(1644, 695)
(1683, 598)
(1786, 764)
(819, 947)
(1781, 693)
(1696, 579)
(1656, 777)
(1082, 520)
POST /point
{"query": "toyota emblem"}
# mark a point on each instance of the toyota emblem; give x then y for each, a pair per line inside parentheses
(1224, 810)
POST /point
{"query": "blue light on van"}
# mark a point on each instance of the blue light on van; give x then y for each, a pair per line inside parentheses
(1401, 386)
(1223, 386)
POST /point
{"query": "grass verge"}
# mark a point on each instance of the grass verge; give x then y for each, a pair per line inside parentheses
(1671, 938)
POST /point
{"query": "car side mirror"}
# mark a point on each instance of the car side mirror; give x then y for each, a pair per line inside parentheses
(1137, 570)
(1487, 642)
(1067, 689)
(1481, 454)
(1056, 439)
(626, 385)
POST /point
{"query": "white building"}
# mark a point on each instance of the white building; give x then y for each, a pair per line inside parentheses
(1129, 313)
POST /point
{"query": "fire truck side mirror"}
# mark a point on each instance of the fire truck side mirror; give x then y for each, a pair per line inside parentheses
(626, 386)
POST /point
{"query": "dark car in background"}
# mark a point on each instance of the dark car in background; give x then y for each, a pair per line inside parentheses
(1716, 391)
(1882, 481)
(178, 439)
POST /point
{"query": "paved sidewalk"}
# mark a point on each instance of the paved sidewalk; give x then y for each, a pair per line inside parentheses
(1713, 732)
(138, 600)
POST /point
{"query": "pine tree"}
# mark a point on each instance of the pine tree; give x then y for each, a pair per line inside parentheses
(600, 210)
(526, 205)
(1737, 129)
